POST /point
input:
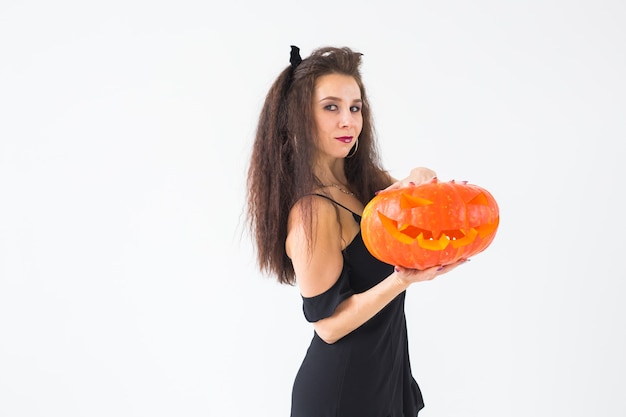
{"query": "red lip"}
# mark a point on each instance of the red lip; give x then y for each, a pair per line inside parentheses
(345, 139)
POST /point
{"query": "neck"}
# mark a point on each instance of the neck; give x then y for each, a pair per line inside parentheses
(331, 173)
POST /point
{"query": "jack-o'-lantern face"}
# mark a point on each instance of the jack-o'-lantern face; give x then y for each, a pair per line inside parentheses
(436, 223)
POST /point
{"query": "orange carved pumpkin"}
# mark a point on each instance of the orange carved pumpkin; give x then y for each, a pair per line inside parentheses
(435, 223)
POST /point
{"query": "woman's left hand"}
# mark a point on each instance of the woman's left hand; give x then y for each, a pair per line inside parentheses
(417, 176)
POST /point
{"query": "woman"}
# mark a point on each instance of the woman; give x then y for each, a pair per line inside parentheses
(314, 167)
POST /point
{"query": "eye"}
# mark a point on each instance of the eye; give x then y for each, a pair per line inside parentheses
(355, 109)
(331, 107)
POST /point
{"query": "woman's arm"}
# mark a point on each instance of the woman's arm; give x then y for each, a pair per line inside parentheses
(359, 308)
(319, 266)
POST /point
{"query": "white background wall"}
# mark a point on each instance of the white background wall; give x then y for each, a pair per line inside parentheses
(127, 281)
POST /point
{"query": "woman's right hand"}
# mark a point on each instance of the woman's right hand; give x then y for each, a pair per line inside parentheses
(408, 276)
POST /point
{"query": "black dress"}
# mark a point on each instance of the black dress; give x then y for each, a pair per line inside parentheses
(367, 373)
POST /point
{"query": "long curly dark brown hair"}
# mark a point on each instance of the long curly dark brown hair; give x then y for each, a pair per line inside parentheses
(281, 164)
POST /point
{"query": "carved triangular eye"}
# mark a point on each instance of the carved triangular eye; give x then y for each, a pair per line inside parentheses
(479, 199)
(407, 201)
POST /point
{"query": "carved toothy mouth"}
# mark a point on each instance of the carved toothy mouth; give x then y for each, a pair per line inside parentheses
(428, 239)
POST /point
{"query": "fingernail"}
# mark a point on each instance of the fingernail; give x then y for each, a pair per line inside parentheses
(376, 192)
(395, 268)
(440, 268)
(411, 183)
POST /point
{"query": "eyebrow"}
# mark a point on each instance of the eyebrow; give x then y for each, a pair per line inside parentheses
(356, 100)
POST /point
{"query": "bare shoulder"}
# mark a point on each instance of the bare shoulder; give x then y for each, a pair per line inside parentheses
(322, 221)
(322, 210)
(316, 257)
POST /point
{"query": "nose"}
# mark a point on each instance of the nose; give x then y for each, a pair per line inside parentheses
(347, 118)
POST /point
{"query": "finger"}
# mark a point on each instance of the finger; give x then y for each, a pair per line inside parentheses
(447, 268)
(394, 186)
(401, 184)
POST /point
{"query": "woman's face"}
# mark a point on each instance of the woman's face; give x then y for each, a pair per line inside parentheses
(337, 111)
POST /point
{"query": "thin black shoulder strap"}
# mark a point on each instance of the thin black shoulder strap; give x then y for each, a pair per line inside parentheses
(339, 204)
